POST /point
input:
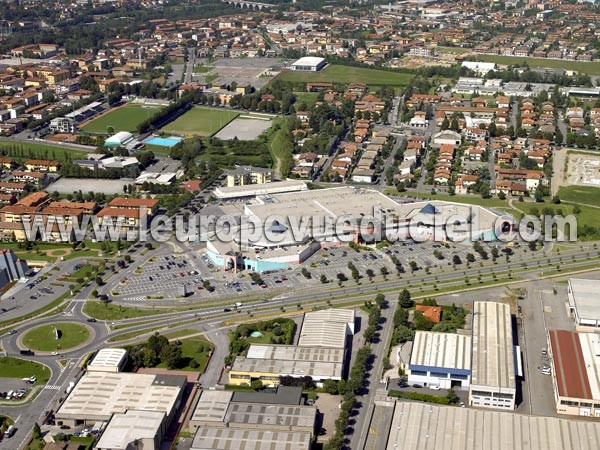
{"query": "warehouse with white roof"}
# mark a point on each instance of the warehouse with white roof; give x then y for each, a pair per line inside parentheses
(108, 360)
(493, 381)
(419, 426)
(440, 359)
(320, 354)
(583, 303)
(309, 64)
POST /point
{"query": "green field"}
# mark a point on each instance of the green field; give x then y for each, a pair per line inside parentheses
(30, 150)
(126, 118)
(347, 74)
(580, 194)
(109, 311)
(19, 368)
(197, 349)
(43, 338)
(591, 68)
(200, 122)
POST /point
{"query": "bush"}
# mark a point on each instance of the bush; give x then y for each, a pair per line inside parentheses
(417, 396)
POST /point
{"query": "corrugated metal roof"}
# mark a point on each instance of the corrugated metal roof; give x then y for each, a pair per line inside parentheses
(493, 352)
(569, 365)
(447, 350)
(418, 426)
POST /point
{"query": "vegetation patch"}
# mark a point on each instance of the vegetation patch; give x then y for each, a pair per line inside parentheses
(200, 122)
(274, 331)
(58, 336)
(19, 368)
(126, 118)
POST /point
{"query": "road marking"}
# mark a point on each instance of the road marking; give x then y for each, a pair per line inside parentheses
(52, 387)
(136, 299)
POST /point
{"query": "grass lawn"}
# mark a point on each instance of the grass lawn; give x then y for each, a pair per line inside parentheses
(348, 74)
(109, 311)
(202, 69)
(200, 122)
(86, 271)
(580, 194)
(310, 98)
(591, 68)
(194, 349)
(27, 150)
(19, 368)
(43, 338)
(125, 118)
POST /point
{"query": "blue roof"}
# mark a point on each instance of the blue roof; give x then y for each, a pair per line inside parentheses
(429, 209)
(277, 227)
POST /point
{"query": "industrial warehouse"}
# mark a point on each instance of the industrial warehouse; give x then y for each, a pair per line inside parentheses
(417, 426)
(126, 407)
(576, 374)
(252, 420)
(583, 297)
(320, 354)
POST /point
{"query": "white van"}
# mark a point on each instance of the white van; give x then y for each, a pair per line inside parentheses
(10, 395)
(9, 431)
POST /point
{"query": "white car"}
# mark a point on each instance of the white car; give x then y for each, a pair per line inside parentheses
(54, 353)
(435, 388)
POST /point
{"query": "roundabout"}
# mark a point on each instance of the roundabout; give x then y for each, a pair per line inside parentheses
(57, 337)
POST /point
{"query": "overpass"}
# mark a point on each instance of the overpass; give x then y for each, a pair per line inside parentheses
(256, 6)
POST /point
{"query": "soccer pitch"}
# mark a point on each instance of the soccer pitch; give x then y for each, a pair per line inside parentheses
(200, 122)
(126, 118)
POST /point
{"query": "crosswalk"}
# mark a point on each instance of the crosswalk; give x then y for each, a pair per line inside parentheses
(136, 299)
(53, 387)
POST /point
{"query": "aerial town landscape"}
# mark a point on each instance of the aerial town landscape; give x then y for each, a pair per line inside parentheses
(299, 225)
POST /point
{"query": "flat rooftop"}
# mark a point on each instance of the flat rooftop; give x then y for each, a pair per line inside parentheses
(288, 367)
(124, 429)
(493, 352)
(98, 395)
(253, 190)
(213, 438)
(418, 426)
(442, 350)
(326, 328)
(585, 295)
(296, 353)
(292, 417)
(212, 406)
(108, 357)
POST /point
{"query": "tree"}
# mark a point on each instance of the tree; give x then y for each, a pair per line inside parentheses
(470, 257)
(172, 355)
(456, 260)
(331, 387)
(99, 281)
(37, 433)
(452, 397)
(370, 274)
(257, 385)
(404, 299)
(384, 271)
(323, 279)
(422, 323)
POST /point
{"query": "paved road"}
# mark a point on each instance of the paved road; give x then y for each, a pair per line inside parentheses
(191, 62)
(373, 379)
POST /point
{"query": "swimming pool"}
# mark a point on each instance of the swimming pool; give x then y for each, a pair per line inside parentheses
(164, 142)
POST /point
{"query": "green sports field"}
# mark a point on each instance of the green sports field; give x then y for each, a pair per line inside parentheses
(591, 68)
(125, 118)
(200, 122)
(43, 338)
(347, 74)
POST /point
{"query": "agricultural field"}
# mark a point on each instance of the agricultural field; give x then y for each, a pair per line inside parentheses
(200, 122)
(31, 150)
(125, 118)
(591, 68)
(348, 74)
